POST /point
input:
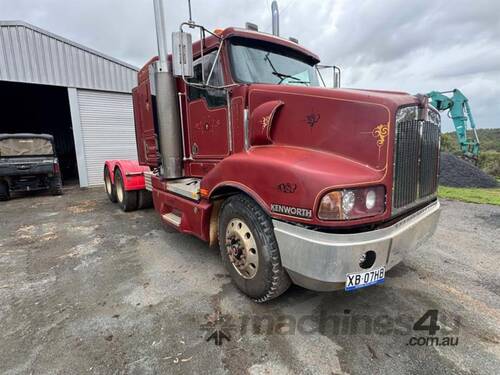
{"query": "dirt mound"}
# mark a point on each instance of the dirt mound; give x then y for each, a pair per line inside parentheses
(456, 172)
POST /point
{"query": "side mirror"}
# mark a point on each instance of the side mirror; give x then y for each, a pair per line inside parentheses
(332, 74)
(182, 54)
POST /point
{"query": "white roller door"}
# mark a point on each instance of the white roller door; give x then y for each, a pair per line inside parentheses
(107, 126)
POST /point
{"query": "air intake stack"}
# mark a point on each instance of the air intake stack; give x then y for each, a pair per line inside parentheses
(276, 18)
(167, 106)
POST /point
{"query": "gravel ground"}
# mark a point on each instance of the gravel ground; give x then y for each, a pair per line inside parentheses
(86, 288)
(456, 172)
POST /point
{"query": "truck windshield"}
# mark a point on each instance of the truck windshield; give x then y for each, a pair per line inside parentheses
(10, 147)
(272, 64)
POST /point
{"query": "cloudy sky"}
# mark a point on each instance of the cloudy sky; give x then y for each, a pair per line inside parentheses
(415, 46)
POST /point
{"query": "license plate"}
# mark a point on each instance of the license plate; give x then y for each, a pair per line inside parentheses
(364, 279)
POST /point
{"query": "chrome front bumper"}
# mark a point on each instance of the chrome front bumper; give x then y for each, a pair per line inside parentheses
(320, 261)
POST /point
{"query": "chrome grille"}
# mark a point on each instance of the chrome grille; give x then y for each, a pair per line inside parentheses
(429, 160)
(416, 158)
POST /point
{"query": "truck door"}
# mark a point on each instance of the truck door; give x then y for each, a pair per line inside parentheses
(207, 112)
(145, 132)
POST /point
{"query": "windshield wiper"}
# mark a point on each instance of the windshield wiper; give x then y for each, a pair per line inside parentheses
(282, 76)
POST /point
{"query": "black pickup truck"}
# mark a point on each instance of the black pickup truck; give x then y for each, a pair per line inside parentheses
(28, 162)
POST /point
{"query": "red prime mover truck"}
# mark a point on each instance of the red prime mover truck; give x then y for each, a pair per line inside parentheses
(327, 188)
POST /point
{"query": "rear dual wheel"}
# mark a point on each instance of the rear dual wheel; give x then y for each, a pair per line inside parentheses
(249, 249)
(109, 186)
(127, 200)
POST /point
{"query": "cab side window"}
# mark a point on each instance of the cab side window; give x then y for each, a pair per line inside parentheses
(213, 97)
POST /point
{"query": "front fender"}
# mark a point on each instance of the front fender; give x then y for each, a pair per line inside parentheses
(282, 176)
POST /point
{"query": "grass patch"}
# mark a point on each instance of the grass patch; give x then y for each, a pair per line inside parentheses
(471, 195)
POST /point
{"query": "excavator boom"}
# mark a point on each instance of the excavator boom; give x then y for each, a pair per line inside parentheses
(459, 111)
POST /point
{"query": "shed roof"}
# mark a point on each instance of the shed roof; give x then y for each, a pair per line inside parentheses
(33, 55)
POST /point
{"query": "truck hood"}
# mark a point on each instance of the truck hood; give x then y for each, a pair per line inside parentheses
(355, 124)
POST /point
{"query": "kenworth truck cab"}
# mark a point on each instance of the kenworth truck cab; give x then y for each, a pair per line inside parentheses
(327, 188)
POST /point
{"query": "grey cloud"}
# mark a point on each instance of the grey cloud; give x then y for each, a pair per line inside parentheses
(485, 63)
(383, 31)
(405, 45)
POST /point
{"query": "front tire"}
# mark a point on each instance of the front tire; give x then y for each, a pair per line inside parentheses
(249, 249)
(127, 200)
(4, 191)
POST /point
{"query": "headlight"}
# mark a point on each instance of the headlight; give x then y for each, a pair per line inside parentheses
(348, 200)
(371, 199)
(348, 204)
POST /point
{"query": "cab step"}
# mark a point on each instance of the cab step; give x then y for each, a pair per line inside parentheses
(172, 218)
(187, 187)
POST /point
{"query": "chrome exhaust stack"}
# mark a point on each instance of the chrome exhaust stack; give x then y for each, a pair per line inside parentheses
(276, 18)
(167, 106)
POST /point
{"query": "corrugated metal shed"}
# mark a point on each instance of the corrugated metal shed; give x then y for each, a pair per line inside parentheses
(107, 122)
(32, 55)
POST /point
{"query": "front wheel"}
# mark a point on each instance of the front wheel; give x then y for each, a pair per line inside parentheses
(249, 249)
(127, 200)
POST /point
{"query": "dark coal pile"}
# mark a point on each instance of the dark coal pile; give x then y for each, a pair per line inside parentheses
(456, 172)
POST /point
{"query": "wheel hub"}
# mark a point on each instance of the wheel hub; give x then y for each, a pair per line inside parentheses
(242, 248)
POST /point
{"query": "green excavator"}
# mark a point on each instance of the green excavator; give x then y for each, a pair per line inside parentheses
(459, 111)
